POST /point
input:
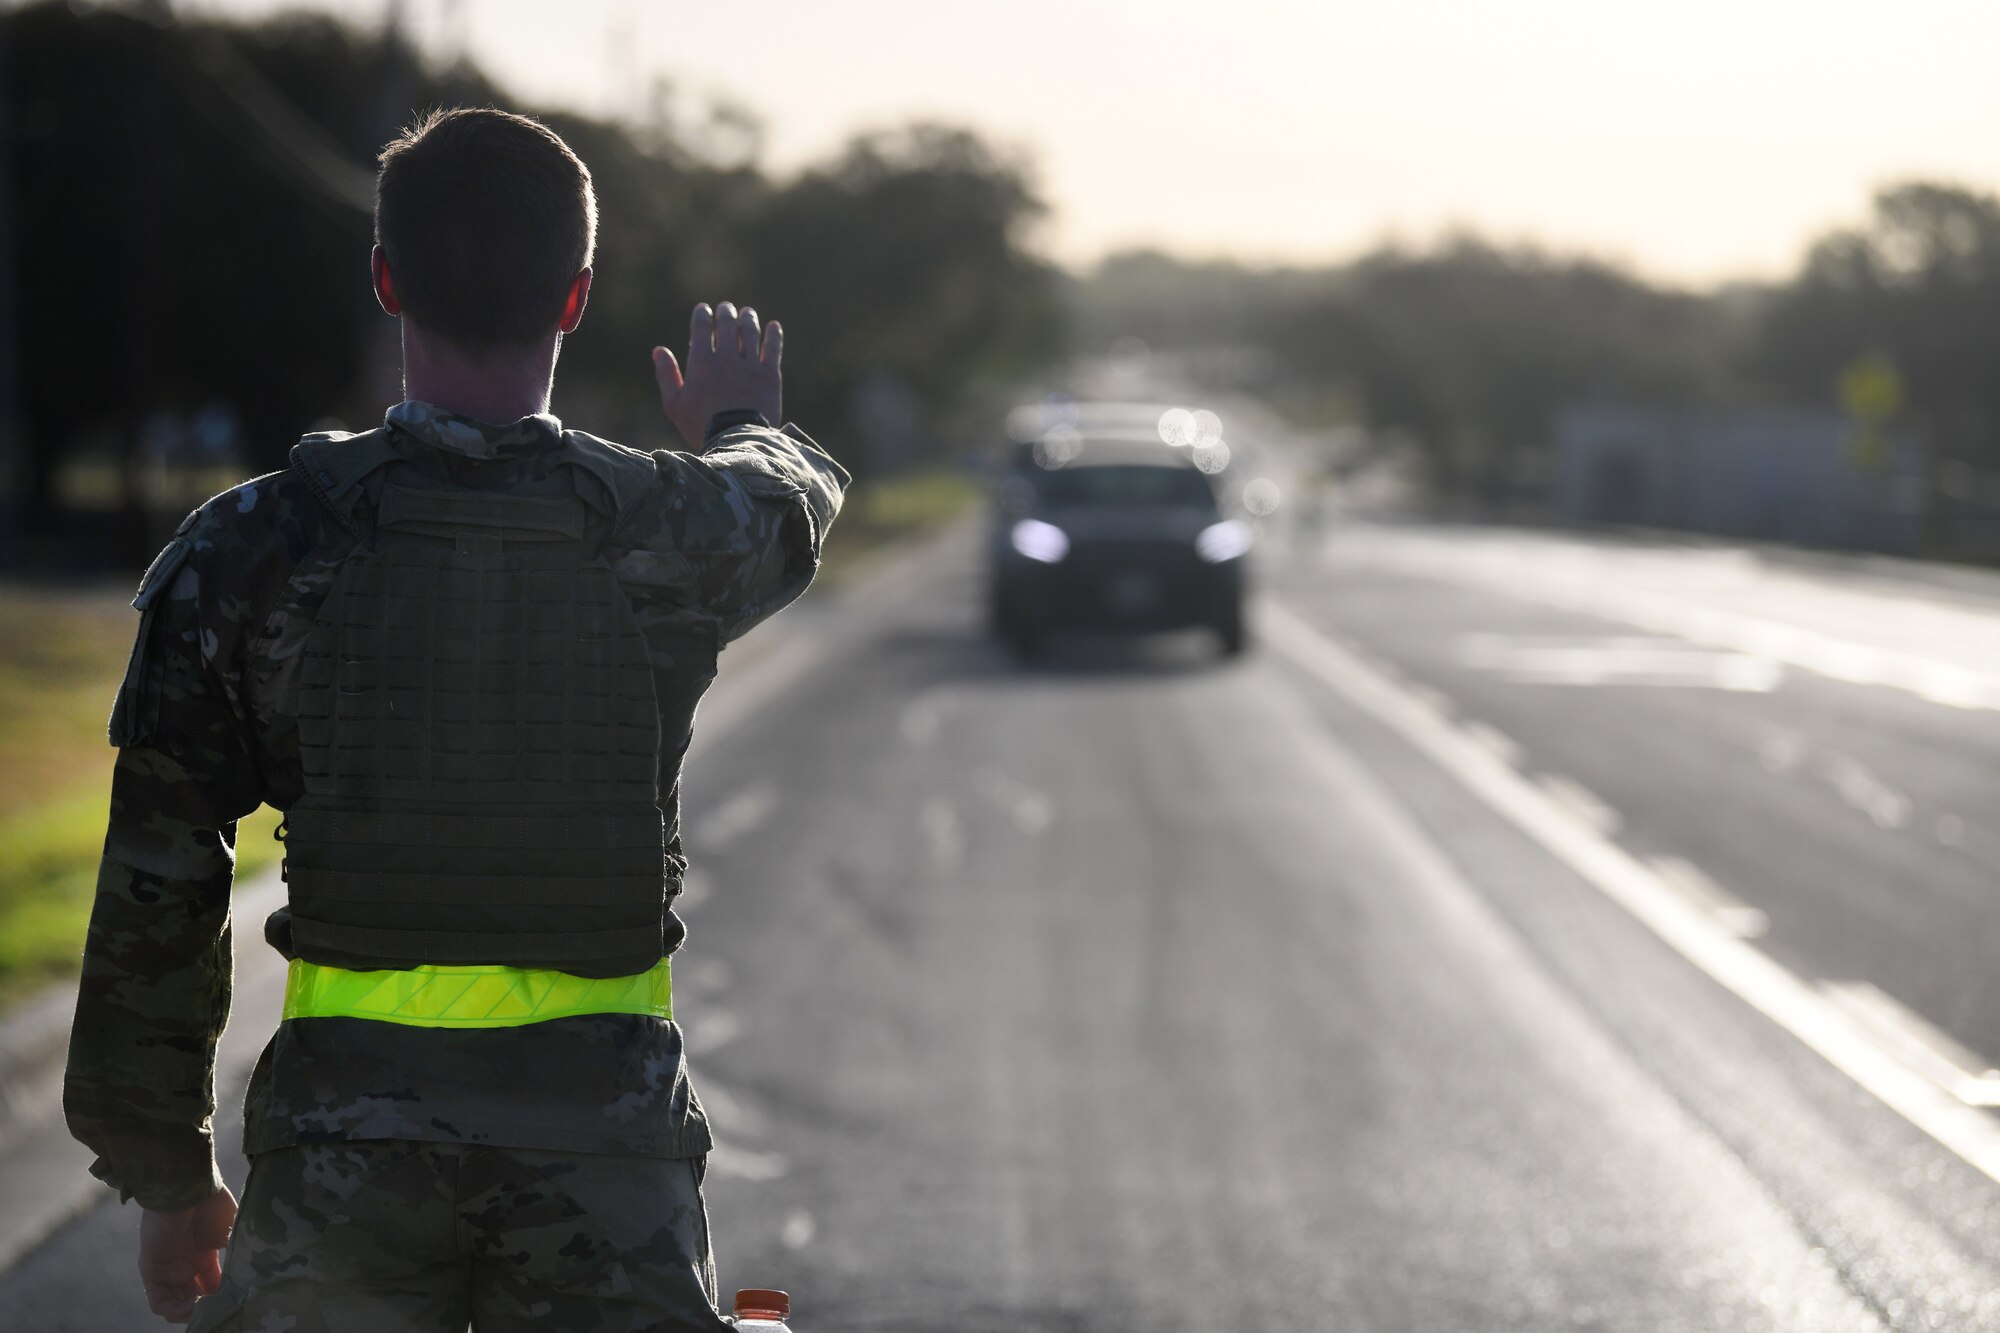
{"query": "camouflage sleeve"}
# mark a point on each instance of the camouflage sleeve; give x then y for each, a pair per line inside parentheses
(748, 515)
(140, 1087)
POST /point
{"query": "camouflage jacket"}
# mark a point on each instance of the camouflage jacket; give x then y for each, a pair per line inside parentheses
(724, 539)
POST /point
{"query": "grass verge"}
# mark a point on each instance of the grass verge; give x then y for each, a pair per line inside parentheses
(62, 653)
(879, 514)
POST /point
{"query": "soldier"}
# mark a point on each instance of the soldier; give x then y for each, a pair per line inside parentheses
(462, 653)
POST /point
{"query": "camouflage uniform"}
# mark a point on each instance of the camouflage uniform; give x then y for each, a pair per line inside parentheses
(389, 1236)
(724, 539)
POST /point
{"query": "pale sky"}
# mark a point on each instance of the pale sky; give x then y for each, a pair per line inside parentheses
(1697, 140)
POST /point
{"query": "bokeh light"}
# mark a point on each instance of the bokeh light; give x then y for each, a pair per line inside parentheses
(1058, 447)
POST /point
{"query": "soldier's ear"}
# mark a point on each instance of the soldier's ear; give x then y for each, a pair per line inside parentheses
(573, 304)
(385, 286)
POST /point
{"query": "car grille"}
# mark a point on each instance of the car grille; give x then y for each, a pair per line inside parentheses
(1164, 558)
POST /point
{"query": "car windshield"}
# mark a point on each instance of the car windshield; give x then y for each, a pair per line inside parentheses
(1126, 484)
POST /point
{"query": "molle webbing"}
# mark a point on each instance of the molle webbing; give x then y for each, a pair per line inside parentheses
(480, 740)
(513, 517)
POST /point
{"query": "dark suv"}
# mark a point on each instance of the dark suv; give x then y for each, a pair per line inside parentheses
(1115, 535)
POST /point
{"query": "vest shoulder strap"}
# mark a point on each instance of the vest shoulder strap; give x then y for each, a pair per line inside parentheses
(625, 474)
(334, 463)
(337, 462)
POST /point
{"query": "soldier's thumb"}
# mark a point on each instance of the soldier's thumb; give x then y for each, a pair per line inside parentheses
(667, 374)
(215, 1221)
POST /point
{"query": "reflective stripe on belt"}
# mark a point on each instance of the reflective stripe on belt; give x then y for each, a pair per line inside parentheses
(472, 997)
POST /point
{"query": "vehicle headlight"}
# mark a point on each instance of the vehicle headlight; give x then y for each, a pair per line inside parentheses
(1040, 541)
(1221, 542)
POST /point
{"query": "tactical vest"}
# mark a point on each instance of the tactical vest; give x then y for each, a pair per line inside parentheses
(480, 730)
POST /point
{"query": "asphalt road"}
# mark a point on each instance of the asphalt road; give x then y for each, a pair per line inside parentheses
(1136, 991)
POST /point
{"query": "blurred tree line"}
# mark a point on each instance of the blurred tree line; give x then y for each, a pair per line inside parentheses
(184, 220)
(1465, 352)
(186, 211)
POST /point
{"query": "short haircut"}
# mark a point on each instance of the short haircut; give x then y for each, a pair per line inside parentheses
(485, 217)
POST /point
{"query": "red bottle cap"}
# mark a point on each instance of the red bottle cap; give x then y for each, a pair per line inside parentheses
(762, 1303)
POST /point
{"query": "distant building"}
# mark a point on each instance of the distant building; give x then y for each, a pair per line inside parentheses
(1786, 476)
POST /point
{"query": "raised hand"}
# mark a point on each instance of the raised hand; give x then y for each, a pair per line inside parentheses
(732, 363)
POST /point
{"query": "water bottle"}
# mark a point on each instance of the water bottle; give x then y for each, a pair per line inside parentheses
(762, 1310)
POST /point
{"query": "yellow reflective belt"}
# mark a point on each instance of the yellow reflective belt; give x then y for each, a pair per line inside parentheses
(472, 997)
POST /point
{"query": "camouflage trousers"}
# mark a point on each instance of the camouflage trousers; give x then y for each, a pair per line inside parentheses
(390, 1236)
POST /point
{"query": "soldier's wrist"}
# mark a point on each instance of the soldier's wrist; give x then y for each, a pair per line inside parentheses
(167, 1186)
(731, 418)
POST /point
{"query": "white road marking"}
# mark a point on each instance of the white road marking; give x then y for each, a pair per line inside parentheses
(1487, 952)
(946, 836)
(1501, 746)
(1580, 802)
(798, 1230)
(1743, 673)
(1426, 697)
(702, 975)
(726, 1159)
(1782, 750)
(712, 1029)
(740, 813)
(801, 645)
(725, 1107)
(1032, 811)
(1626, 586)
(1378, 664)
(921, 716)
(1732, 913)
(1387, 668)
(1931, 1052)
(1760, 981)
(696, 889)
(735, 699)
(1889, 808)
(1618, 660)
